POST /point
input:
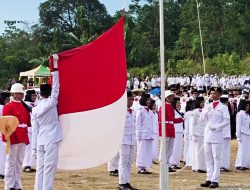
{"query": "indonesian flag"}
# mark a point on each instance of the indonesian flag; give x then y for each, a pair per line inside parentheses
(92, 100)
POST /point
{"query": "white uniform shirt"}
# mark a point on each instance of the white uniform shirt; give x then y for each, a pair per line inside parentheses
(144, 124)
(197, 125)
(153, 82)
(178, 126)
(242, 123)
(155, 122)
(136, 83)
(129, 129)
(216, 119)
(44, 119)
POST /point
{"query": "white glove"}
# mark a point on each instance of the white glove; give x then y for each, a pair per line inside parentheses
(211, 127)
(239, 139)
(55, 60)
(34, 153)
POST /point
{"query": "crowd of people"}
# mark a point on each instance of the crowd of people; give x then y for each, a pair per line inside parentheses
(201, 82)
(203, 114)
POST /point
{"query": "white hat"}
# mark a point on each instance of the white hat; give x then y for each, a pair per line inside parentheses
(168, 93)
(17, 88)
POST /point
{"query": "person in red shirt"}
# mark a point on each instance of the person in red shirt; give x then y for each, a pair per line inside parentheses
(170, 121)
(19, 139)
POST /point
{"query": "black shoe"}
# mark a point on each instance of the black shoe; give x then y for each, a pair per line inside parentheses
(1, 176)
(123, 187)
(144, 171)
(130, 187)
(171, 170)
(201, 171)
(28, 169)
(238, 168)
(175, 167)
(12, 189)
(242, 168)
(206, 184)
(154, 162)
(113, 173)
(214, 185)
(224, 170)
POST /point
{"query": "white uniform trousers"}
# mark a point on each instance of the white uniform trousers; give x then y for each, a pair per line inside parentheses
(189, 155)
(169, 149)
(144, 153)
(113, 163)
(225, 153)
(47, 158)
(185, 150)
(198, 154)
(155, 147)
(28, 159)
(125, 162)
(243, 154)
(177, 149)
(13, 166)
(213, 159)
(2, 157)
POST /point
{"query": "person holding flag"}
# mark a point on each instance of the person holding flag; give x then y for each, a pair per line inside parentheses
(46, 131)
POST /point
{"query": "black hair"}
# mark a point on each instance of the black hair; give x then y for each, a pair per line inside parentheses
(27, 98)
(45, 90)
(243, 104)
(143, 101)
(189, 105)
(196, 104)
(152, 102)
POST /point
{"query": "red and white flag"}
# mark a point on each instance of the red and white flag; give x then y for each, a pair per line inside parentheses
(92, 100)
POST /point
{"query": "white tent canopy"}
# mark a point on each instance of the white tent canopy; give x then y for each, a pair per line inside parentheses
(39, 71)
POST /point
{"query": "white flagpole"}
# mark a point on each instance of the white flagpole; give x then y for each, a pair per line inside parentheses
(163, 165)
(202, 52)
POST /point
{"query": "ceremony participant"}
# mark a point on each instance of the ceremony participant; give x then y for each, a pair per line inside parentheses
(127, 149)
(243, 136)
(225, 153)
(46, 132)
(19, 139)
(187, 154)
(113, 165)
(152, 107)
(178, 140)
(216, 117)
(144, 135)
(29, 161)
(4, 99)
(170, 131)
(197, 136)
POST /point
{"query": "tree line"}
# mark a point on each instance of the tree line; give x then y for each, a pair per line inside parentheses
(70, 23)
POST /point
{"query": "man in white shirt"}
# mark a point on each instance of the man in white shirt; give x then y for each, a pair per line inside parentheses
(127, 149)
(216, 116)
(46, 132)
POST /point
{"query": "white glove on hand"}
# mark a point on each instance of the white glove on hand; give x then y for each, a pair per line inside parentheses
(239, 139)
(211, 127)
(55, 60)
(34, 153)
